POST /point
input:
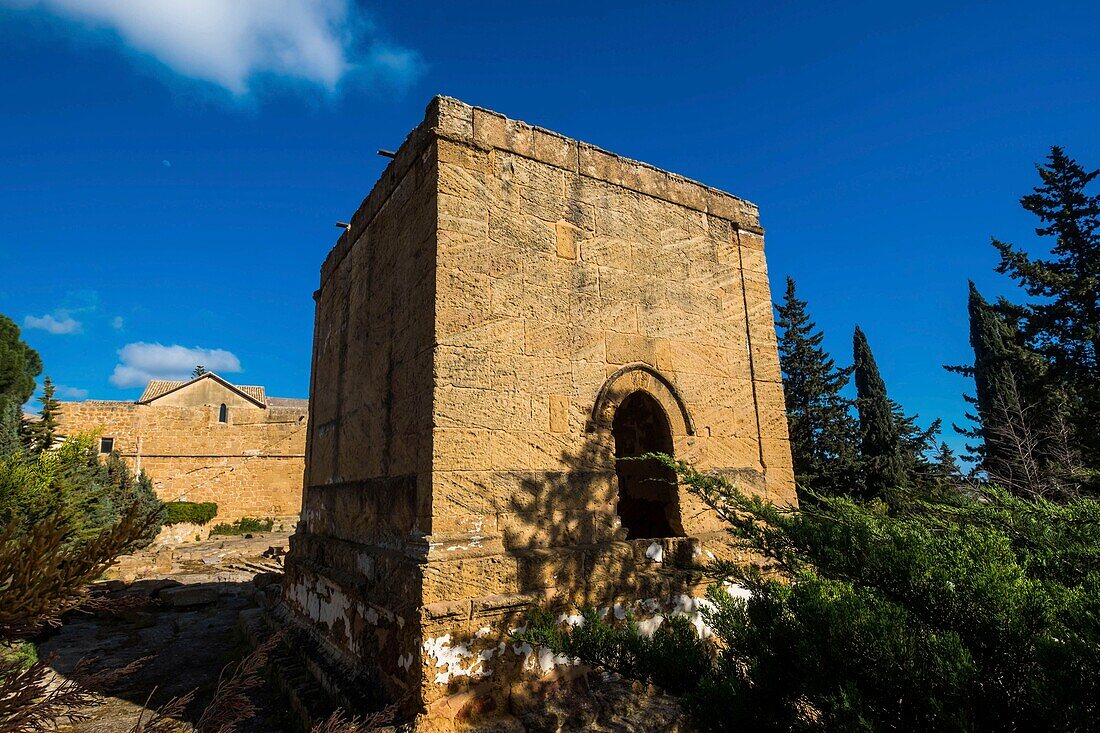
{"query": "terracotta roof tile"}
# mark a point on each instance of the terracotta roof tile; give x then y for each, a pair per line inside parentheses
(157, 387)
(160, 387)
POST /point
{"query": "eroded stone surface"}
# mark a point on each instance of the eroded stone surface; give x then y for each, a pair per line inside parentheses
(501, 295)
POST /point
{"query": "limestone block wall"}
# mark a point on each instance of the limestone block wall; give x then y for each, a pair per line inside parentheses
(559, 263)
(568, 278)
(352, 577)
(501, 293)
(251, 465)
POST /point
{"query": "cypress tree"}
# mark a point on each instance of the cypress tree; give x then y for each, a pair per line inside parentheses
(43, 432)
(1063, 323)
(1020, 411)
(882, 464)
(820, 422)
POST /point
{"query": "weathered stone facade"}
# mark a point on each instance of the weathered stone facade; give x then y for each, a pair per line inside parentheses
(251, 464)
(509, 311)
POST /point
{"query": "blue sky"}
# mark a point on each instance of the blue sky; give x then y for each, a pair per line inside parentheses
(170, 171)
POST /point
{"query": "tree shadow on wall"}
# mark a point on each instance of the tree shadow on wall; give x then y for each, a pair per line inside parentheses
(561, 530)
(566, 534)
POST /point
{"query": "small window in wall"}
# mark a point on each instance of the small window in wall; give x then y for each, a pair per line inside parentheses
(223, 413)
(106, 445)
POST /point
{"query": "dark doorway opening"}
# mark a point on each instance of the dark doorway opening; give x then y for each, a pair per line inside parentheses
(648, 503)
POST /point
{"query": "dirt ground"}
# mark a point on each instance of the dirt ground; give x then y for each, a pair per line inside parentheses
(189, 635)
(191, 631)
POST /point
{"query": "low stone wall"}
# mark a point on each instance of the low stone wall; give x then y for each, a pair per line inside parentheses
(182, 533)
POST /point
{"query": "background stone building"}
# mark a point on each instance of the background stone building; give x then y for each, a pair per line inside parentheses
(206, 440)
(510, 312)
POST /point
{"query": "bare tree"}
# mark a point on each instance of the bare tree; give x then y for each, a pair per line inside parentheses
(1034, 455)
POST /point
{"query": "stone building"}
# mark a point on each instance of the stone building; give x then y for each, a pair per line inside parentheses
(509, 312)
(206, 440)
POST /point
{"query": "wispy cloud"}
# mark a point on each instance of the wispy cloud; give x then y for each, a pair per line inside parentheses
(117, 323)
(231, 43)
(139, 362)
(71, 393)
(58, 322)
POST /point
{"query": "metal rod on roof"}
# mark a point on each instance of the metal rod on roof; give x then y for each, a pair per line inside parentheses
(344, 225)
(387, 153)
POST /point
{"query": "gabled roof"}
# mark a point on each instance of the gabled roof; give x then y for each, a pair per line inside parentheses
(157, 388)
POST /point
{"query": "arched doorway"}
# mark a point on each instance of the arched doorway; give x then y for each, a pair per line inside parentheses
(648, 504)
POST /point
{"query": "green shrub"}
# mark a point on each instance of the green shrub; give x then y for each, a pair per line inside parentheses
(190, 512)
(244, 525)
(960, 613)
(72, 483)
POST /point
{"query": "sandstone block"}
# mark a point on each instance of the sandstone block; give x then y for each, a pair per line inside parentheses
(566, 240)
(559, 413)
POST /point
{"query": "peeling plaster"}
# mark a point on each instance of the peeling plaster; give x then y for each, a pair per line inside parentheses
(737, 591)
(459, 660)
(445, 655)
(573, 621)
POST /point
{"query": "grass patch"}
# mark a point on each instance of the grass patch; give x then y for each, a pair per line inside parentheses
(23, 652)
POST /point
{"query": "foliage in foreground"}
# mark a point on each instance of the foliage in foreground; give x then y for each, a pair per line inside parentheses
(244, 525)
(44, 573)
(972, 614)
(71, 484)
(64, 519)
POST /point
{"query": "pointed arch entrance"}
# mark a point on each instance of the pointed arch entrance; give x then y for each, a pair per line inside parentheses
(648, 505)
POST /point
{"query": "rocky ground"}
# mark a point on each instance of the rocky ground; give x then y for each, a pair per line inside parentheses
(189, 631)
(190, 628)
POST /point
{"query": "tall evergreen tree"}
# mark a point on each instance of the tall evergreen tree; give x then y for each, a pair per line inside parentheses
(915, 444)
(19, 365)
(11, 419)
(883, 465)
(822, 429)
(947, 465)
(1020, 410)
(1063, 322)
(198, 371)
(43, 432)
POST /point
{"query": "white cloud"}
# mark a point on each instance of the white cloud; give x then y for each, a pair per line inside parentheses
(58, 322)
(229, 42)
(139, 362)
(117, 323)
(72, 393)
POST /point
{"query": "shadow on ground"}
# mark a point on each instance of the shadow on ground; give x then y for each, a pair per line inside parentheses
(189, 633)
